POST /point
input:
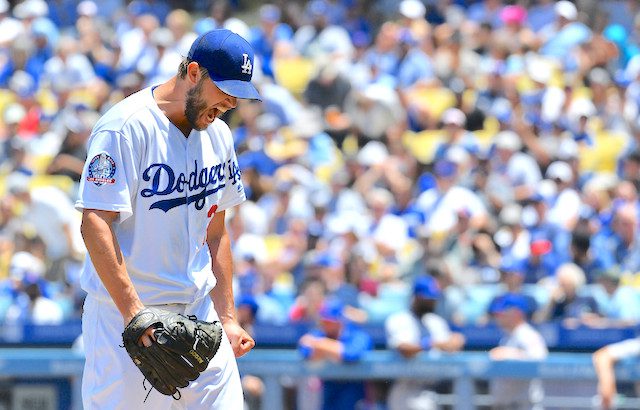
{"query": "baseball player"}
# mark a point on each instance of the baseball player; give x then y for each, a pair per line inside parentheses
(161, 171)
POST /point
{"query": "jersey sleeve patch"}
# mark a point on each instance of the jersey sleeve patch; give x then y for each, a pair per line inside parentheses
(101, 170)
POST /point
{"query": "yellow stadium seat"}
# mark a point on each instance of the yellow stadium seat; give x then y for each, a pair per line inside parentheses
(62, 182)
(39, 163)
(274, 245)
(48, 102)
(423, 145)
(293, 73)
(325, 172)
(434, 100)
(602, 156)
(485, 135)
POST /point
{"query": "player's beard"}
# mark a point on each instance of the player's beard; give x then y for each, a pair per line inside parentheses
(195, 106)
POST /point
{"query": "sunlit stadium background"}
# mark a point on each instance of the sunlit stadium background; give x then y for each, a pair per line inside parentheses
(491, 147)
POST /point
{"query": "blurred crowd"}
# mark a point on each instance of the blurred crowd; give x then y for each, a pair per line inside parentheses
(490, 145)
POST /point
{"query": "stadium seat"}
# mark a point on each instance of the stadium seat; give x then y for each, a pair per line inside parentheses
(390, 299)
(62, 182)
(434, 100)
(423, 145)
(39, 163)
(478, 298)
(293, 73)
(59, 181)
(539, 293)
(274, 245)
(485, 135)
(602, 156)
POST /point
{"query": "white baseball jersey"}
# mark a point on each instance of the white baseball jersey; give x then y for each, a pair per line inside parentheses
(166, 188)
(521, 393)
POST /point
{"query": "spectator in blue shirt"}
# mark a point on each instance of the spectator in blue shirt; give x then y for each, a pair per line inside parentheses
(415, 65)
(256, 157)
(549, 243)
(338, 341)
(566, 33)
(265, 37)
(627, 47)
(621, 247)
(620, 305)
(454, 121)
(42, 51)
(486, 11)
(541, 14)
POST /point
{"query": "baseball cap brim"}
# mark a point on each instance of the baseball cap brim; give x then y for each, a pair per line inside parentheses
(238, 89)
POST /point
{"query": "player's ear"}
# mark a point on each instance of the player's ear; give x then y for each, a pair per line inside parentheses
(193, 72)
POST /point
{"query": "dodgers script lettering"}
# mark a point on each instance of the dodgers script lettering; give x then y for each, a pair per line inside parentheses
(197, 186)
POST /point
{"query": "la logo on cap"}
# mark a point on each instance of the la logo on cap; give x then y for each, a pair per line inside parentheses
(228, 59)
(246, 64)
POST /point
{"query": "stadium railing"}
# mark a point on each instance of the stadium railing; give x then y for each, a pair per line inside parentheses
(562, 369)
(558, 337)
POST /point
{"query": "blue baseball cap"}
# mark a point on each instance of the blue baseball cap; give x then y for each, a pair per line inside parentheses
(250, 302)
(326, 260)
(332, 309)
(510, 301)
(426, 287)
(229, 60)
(512, 265)
(445, 169)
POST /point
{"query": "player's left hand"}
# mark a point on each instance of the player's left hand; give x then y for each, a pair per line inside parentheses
(241, 342)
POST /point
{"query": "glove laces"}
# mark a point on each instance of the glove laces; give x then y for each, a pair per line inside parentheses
(176, 396)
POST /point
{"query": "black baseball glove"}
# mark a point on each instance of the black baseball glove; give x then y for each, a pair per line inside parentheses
(182, 349)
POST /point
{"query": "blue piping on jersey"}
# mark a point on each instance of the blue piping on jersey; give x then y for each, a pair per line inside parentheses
(199, 199)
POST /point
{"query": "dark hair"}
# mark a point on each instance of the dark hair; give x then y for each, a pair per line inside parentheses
(581, 238)
(634, 156)
(182, 69)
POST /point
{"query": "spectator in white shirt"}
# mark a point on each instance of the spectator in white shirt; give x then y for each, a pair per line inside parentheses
(416, 330)
(50, 212)
(68, 69)
(522, 342)
(565, 209)
(10, 28)
(30, 305)
(441, 205)
(517, 169)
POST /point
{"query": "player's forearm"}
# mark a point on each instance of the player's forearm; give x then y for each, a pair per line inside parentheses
(222, 264)
(409, 349)
(108, 260)
(329, 349)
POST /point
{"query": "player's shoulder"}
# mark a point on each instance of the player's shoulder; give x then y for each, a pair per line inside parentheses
(130, 113)
(220, 133)
(221, 126)
(433, 319)
(400, 319)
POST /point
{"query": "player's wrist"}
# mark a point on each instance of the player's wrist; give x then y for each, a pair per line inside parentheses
(130, 313)
(228, 318)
